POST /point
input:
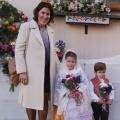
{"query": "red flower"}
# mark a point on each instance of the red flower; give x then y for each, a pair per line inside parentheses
(63, 80)
(12, 40)
(60, 54)
(67, 76)
(73, 2)
(22, 14)
(73, 79)
(25, 19)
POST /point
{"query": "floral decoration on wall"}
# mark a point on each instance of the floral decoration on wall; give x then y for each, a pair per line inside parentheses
(82, 6)
(10, 20)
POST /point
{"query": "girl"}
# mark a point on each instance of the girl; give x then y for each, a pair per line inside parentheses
(64, 99)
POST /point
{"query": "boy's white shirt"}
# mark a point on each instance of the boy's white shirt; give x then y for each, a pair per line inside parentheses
(95, 98)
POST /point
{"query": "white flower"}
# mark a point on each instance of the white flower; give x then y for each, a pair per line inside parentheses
(108, 9)
(67, 78)
(90, 5)
(103, 85)
(72, 5)
(57, 49)
(75, 8)
(17, 24)
(58, 3)
(8, 58)
(59, 8)
(52, 2)
(99, 1)
(0, 6)
(12, 43)
(103, 6)
(81, 5)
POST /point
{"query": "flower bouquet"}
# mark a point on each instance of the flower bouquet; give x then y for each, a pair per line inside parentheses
(104, 92)
(60, 49)
(71, 82)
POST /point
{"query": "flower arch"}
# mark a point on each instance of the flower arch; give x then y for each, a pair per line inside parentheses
(10, 20)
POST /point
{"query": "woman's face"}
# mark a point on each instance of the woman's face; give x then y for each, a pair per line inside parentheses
(43, 16)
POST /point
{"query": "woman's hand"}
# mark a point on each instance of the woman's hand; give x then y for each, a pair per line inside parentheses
(23, 78)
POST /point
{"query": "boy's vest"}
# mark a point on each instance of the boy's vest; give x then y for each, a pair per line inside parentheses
(96, 82)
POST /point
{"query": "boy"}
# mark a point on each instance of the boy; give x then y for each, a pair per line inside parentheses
(97, 102)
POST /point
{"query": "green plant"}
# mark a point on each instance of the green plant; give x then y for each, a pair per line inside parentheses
(87, 6)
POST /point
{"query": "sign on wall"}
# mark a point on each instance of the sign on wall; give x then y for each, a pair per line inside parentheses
(87, 19)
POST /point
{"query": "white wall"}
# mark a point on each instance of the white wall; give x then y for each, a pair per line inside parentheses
(100, 44)
(27, 6)
(101, 40)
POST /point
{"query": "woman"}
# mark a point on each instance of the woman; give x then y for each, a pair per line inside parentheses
(36, 64)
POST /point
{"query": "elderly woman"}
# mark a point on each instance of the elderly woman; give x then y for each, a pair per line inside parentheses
(36, 62)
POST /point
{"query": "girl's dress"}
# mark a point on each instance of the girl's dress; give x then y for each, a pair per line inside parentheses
(72, 112)
(67, 109)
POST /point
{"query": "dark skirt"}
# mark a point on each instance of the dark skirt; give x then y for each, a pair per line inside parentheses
(47, 79)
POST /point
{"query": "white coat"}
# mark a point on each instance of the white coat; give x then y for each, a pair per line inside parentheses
(31, 95)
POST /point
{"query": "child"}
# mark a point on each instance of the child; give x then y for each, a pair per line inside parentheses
(99, 70)
(64, 99)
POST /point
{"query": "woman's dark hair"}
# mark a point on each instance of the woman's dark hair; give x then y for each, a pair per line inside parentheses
(99, 66)
(70, 54)
(39, 7)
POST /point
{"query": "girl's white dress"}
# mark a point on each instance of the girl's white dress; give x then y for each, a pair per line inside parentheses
(72, 112)
(68, 106)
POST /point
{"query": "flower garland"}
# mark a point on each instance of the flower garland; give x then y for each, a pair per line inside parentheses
(82, 6)
(10, 20)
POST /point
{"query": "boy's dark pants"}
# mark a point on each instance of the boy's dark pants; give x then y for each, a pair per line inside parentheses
(98, 112)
